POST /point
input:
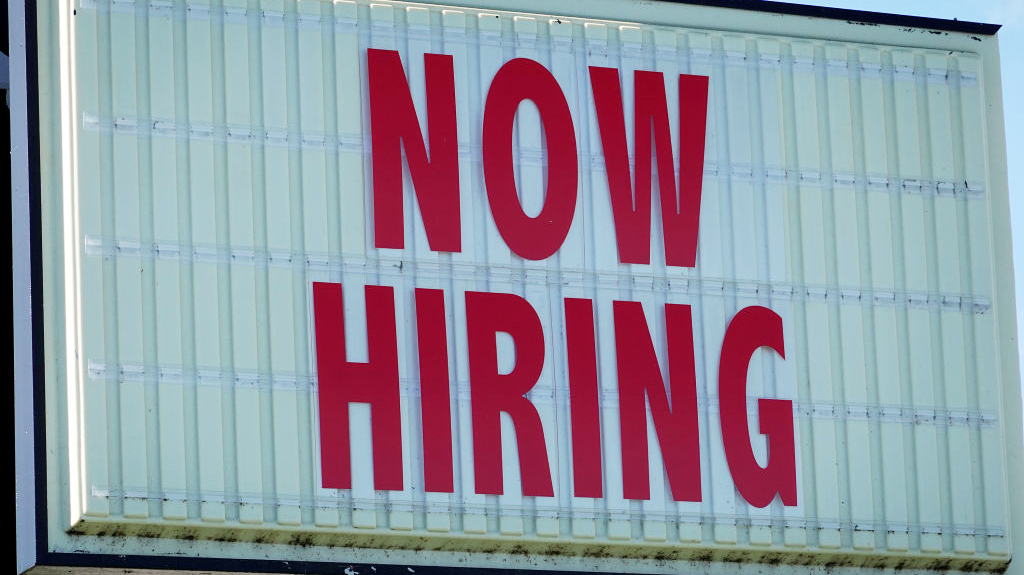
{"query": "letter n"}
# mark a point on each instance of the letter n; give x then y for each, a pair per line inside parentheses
(394, 127)
(675, 417)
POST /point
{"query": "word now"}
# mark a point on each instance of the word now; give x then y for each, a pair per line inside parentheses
(394, 127)
(640, 383)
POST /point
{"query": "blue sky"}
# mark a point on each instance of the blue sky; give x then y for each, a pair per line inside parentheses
(1009, 13)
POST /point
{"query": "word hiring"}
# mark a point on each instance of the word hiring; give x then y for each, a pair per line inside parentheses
(640, 383)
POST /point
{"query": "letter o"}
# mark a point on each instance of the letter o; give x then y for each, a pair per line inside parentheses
(539, 237)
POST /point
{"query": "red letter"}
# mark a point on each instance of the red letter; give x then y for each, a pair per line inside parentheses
(342, 382)
(675, 423)
(680, 214)
(540, 237)
(492, 393)
(393, 126)
(584, 407)
(434, 398)
(752, 328)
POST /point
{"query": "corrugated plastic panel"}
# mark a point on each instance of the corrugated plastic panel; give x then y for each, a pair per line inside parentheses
(217, 163)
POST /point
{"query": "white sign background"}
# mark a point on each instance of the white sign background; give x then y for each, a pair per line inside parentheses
(216, 164)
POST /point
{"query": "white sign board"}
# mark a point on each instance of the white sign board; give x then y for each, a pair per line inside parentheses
(677, 287)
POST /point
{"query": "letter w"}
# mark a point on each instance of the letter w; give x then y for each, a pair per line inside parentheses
(680, 210)
(394, 127)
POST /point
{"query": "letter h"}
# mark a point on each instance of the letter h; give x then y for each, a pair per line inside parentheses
(342, 382)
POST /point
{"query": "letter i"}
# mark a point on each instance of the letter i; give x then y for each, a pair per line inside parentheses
(584, 405)
(434, 396)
